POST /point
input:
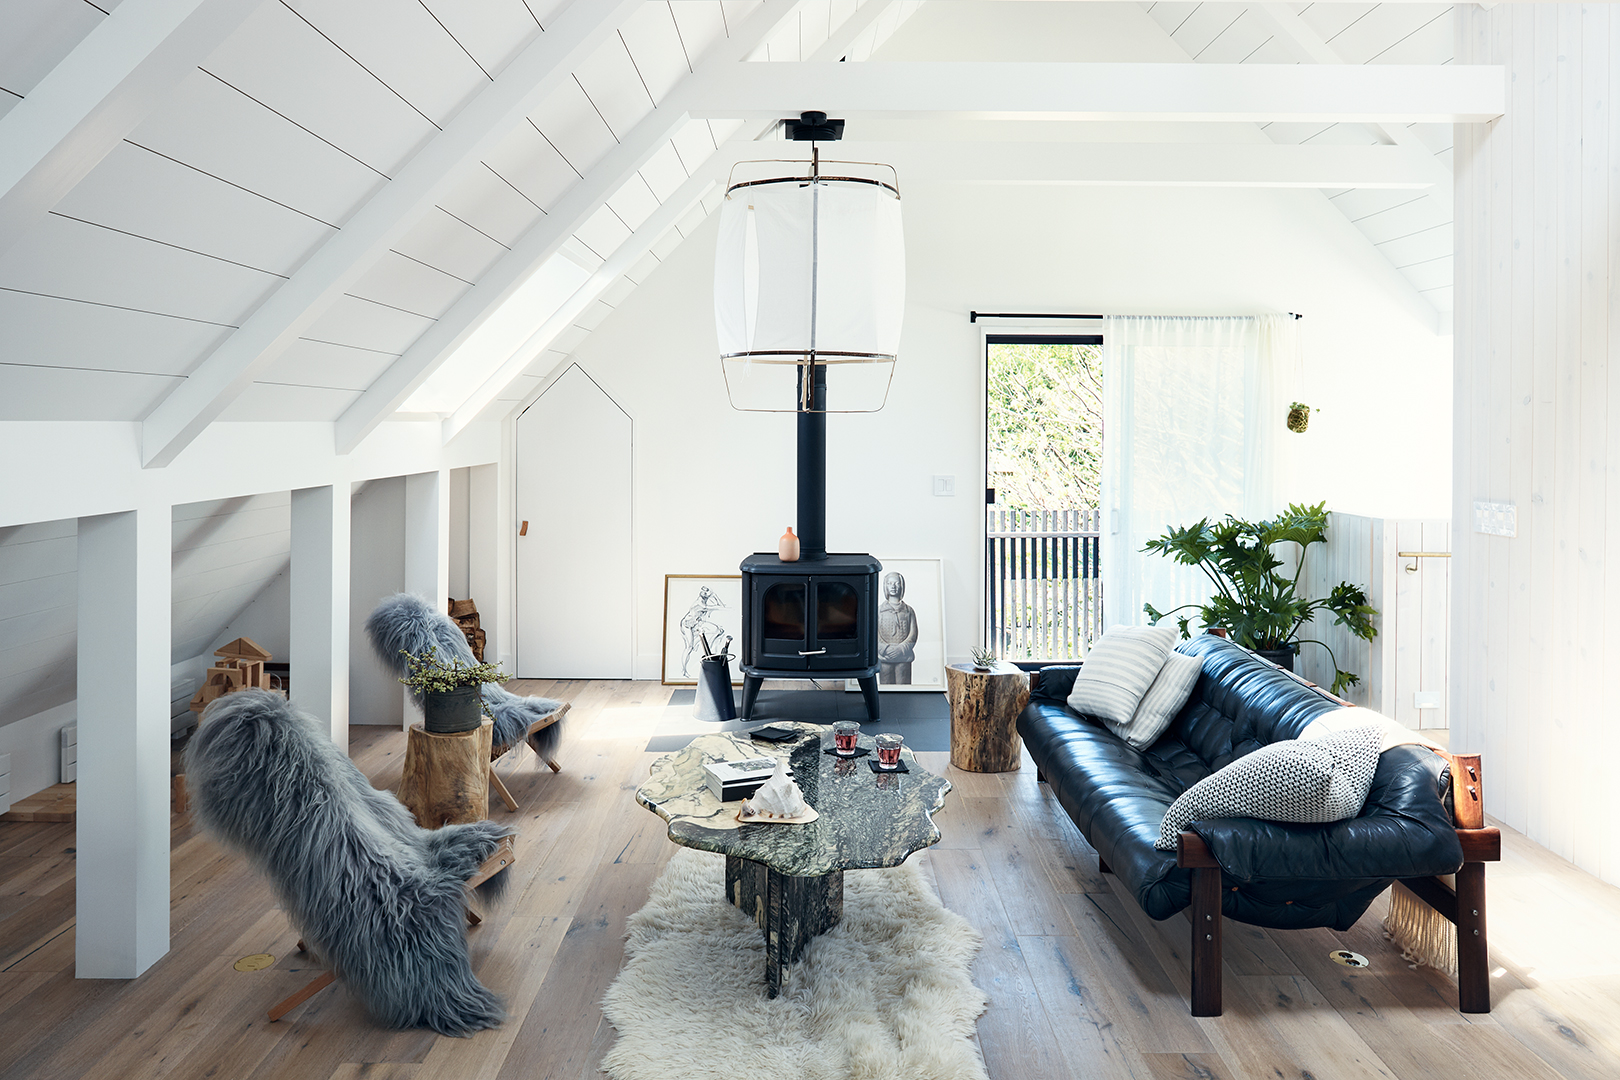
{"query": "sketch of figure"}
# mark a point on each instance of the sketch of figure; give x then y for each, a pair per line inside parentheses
(698, 623)
(897, 633)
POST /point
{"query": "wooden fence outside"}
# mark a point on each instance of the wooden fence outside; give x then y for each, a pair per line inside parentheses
(1043, 589)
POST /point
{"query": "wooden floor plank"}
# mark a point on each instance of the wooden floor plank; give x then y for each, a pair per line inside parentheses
(1081, 982)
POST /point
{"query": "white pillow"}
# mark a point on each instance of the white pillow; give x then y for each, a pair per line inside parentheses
(1119, 669)
(1395, 733)
(1169, 692)
(1308, 780)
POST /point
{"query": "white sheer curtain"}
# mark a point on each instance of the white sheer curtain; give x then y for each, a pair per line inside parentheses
(1190, 419)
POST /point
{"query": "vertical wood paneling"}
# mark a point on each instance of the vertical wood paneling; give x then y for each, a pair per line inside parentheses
(1537, 195)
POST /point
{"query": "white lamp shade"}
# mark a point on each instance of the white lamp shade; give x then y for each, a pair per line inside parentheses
(807, 269)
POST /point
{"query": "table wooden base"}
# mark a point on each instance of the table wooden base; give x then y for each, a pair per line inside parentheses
(790, 910)
(984, 716)
(446, 778)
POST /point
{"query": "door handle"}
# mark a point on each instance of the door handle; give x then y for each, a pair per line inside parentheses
(818, 652)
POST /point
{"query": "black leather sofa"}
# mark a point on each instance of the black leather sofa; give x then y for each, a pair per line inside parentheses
(1265, 873)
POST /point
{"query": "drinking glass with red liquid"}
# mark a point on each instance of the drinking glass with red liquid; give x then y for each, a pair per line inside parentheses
(845, 732)
(888, 750)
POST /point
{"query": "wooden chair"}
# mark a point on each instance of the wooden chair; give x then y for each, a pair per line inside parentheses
(503, 857)
(497, 752)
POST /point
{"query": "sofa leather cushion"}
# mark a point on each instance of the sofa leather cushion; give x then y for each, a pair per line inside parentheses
(1119, 669)
(1169, 692)
(1296, 780)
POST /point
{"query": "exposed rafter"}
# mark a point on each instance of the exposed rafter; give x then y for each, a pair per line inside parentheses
(232, 367)
(1306, 43)
(546, 236)
(1059, 91)
(97, 95)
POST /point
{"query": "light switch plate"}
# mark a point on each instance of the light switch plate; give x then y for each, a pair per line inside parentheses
(1426, 699)
(1496, 519)
(944, 485)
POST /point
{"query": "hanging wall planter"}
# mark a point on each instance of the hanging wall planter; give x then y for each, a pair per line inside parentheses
(1299, 417)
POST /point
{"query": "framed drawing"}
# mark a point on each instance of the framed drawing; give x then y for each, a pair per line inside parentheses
(911, 625)
(698, 606)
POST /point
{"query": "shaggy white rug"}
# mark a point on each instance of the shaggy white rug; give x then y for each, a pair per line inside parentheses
(884, 994)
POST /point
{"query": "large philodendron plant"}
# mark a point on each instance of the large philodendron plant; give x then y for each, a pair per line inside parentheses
(1260, 608)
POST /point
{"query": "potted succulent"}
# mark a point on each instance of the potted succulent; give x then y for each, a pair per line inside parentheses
(449, 691)
(1259, 608)
(983, 658)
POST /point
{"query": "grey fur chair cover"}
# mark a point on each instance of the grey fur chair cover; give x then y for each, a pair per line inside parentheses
(382, 900)
(406, 623)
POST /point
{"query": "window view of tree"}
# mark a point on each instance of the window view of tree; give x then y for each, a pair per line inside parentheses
(1045, 425)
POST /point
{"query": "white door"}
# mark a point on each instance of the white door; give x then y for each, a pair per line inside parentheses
(575, 607)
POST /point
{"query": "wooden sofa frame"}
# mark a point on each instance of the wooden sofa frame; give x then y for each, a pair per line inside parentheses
(1463, 905)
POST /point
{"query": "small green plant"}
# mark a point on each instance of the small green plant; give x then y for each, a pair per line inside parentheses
(983, 657)
(428, 674)
(1259, 607)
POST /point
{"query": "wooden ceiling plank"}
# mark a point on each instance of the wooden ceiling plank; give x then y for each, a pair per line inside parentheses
(373, 229)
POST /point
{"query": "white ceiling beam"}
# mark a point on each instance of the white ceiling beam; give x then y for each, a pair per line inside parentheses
(396, 384)
(1157, 164)
(97, 95)
(1298, 35)
(232, 367)
(1347, 93)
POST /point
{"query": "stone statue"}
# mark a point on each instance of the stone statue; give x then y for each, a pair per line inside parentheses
(897, 633)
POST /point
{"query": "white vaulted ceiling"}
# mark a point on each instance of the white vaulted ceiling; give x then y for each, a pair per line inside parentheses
(352, 211)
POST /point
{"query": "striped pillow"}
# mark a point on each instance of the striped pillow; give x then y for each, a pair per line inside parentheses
(1169, 692)
(1119, 669)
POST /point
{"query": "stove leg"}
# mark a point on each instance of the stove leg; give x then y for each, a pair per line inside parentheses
(751, 685)
(869, 691)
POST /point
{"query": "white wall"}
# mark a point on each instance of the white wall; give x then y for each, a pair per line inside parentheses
(267, 620)
(1538, 426)
(460, 512)
(377, 569)
(1380, 378)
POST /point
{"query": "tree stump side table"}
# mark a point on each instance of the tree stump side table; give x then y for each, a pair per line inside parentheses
(446, 779)
(984, 714)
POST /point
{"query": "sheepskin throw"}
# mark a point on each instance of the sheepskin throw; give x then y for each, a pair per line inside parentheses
(382, 900)
(406, 623)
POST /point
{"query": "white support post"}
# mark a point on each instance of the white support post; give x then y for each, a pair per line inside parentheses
(483, 558)
(427, 546)
(319, 643)
(122, 876)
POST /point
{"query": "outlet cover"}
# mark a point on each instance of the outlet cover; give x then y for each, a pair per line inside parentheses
(1496, 519)
(945, 485)
(1426, 699)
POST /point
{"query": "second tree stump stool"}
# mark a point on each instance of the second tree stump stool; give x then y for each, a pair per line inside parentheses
(446, 779)
(984, 714)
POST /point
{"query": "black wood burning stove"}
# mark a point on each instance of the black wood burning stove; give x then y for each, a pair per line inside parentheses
(816, 618)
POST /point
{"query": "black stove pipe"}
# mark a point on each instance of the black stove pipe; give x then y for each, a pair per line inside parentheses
(813, 465)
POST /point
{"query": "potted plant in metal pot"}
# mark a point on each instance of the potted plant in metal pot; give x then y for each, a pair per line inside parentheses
(1258, 607)
(450, 690)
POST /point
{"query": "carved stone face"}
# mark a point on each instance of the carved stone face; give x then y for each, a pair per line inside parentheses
(894, 585)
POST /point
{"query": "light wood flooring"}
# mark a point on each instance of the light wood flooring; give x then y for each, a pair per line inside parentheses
(1081, 983)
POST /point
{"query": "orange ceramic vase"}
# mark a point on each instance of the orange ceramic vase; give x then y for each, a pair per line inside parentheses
(787, 548)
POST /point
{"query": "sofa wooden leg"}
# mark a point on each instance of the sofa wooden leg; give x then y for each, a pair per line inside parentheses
(1102, 865)
(1206, 941)
(1473, 963)
(1040, 777)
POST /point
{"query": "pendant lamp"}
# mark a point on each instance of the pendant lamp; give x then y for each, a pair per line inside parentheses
(809, 283)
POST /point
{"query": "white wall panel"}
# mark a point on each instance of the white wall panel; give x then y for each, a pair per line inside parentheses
(410, 285)
(365, 325)
(440, 240)
(67, 258)
(404, 47)
(615, 89)
(318, 363)
(53, 393)
(571, 123)
(223, 132)
(264, 402)
(333, 96)
(493, 31)
(137, 191)
(39, 33)
(1537, 409)
(700, 24)
(527, 161)
(487, 202)
(654, 44)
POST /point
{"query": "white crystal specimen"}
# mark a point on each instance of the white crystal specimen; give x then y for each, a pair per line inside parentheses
(778, 797)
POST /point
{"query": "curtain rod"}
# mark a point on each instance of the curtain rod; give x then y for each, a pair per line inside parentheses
(975, 316)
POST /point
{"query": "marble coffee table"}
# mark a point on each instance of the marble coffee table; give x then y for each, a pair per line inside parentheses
(790, 878)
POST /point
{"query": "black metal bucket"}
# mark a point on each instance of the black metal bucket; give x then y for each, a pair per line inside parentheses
(714, 701)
